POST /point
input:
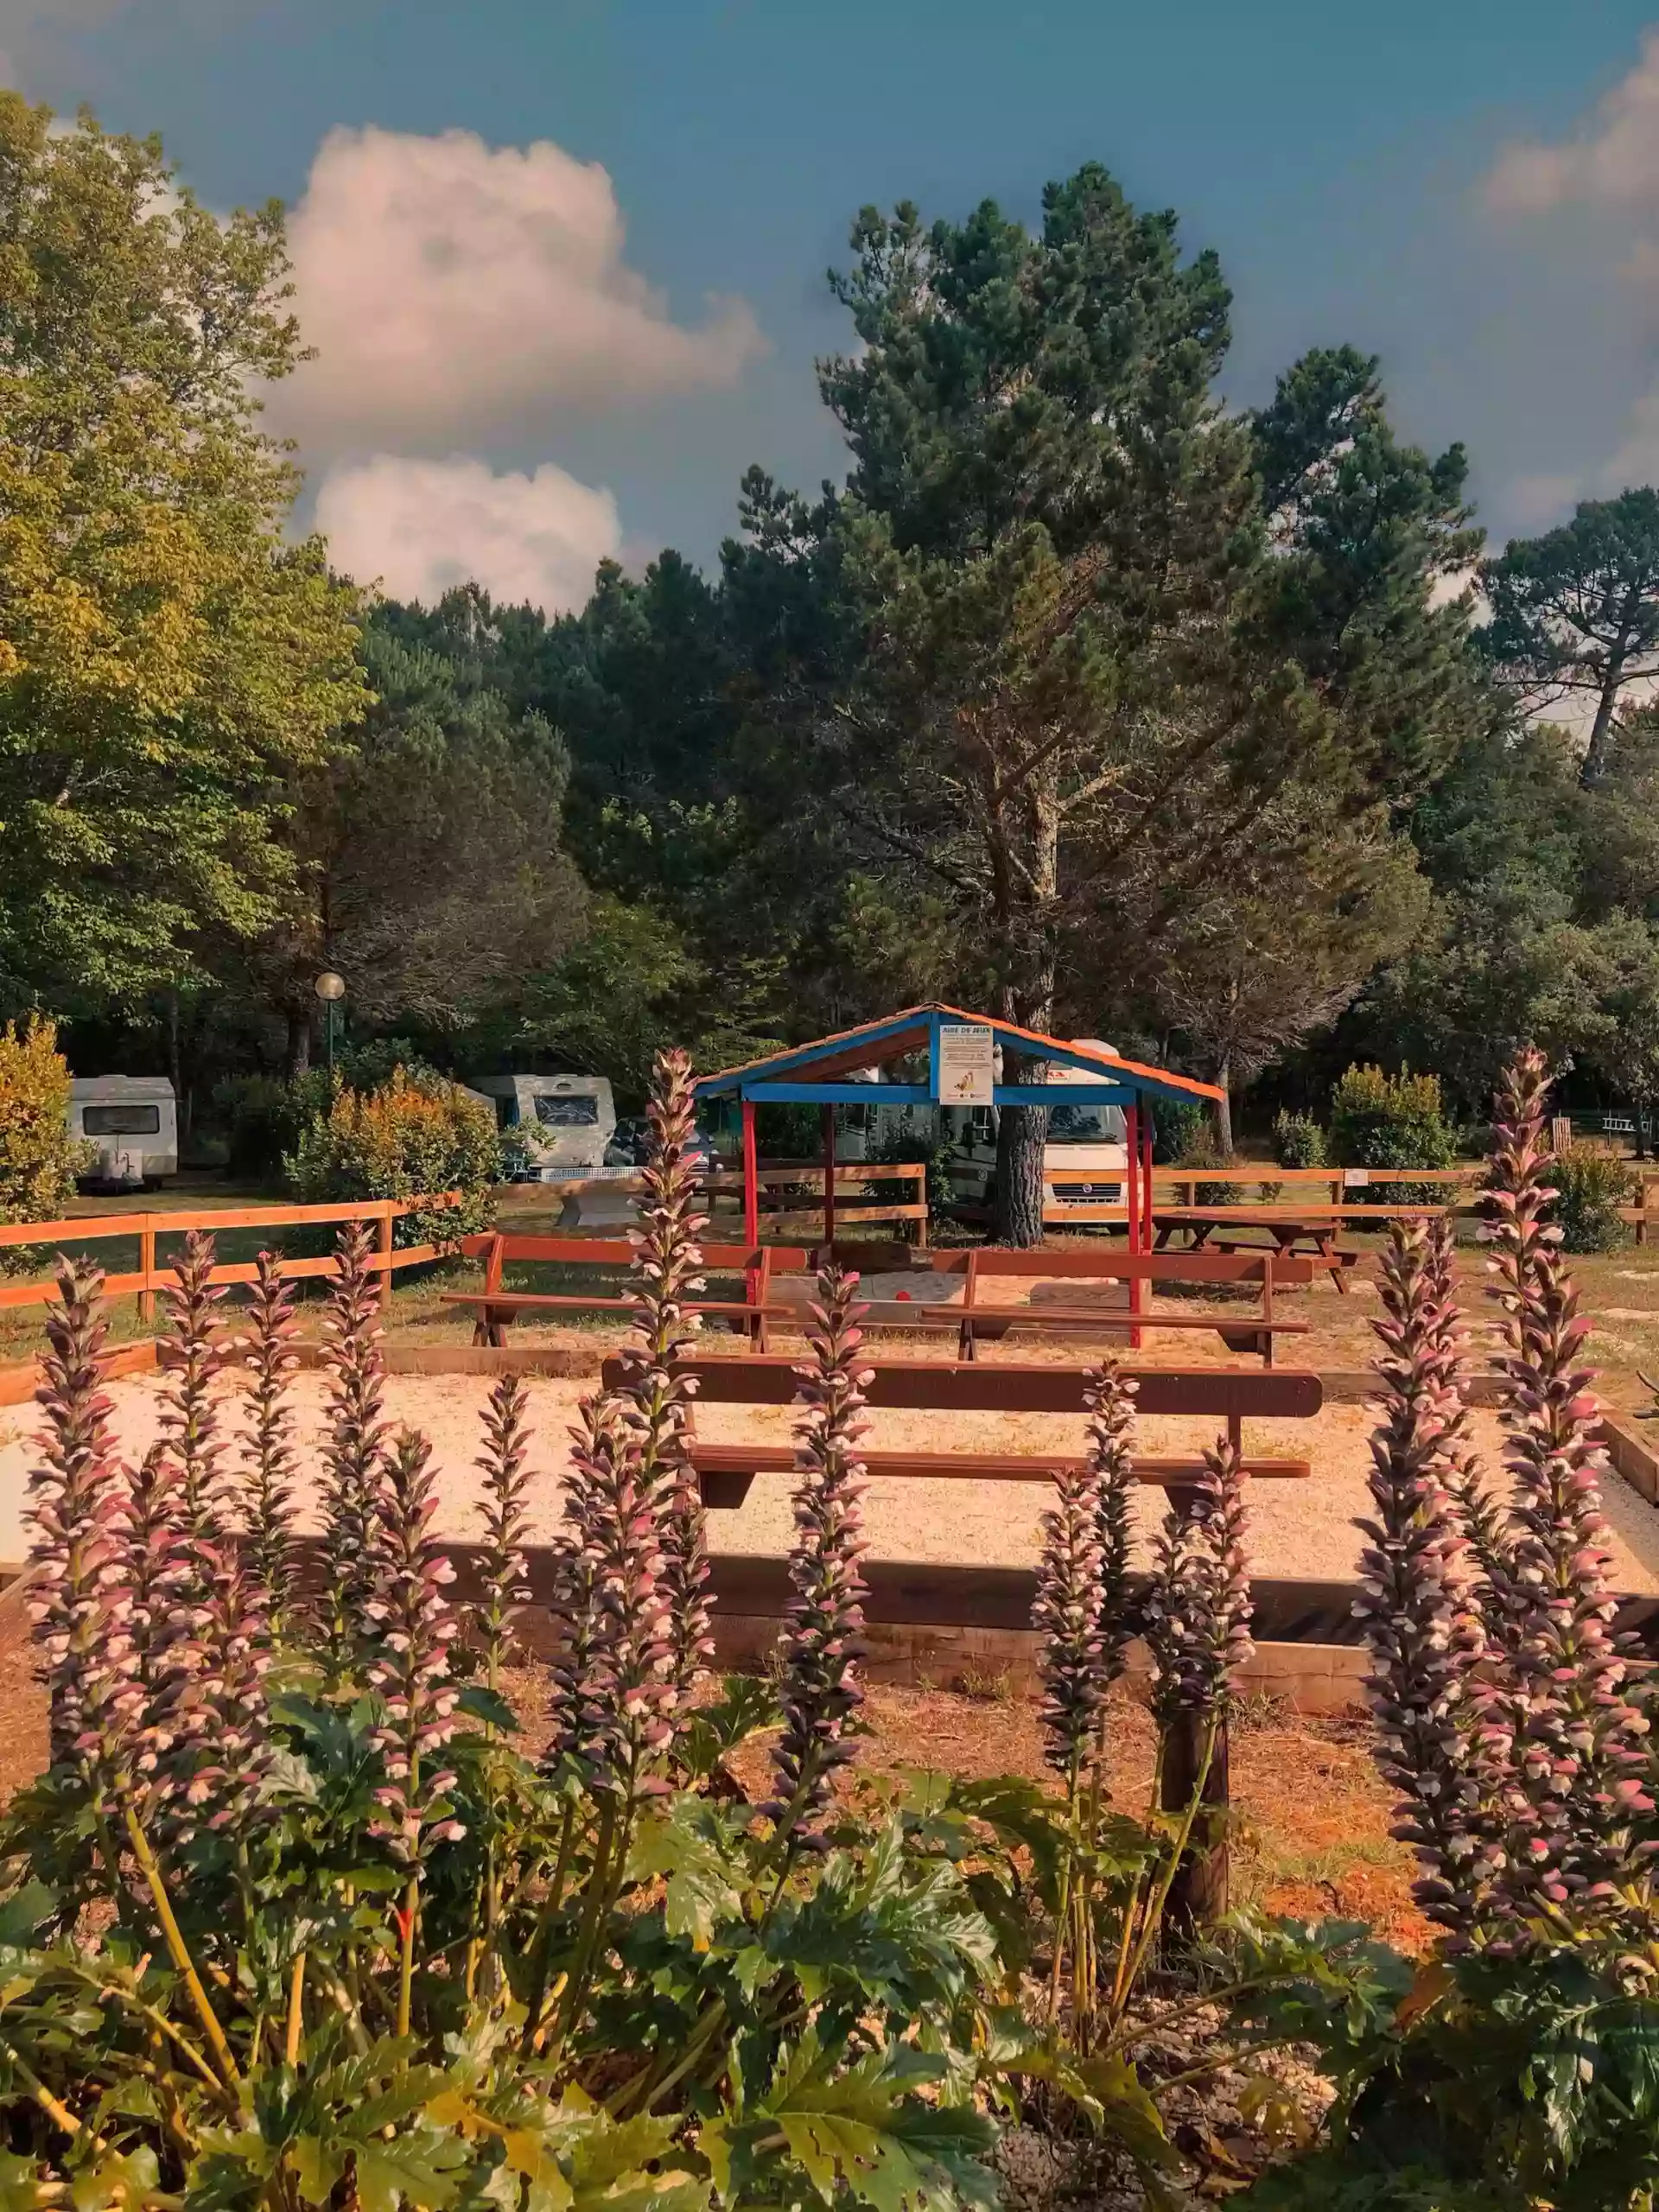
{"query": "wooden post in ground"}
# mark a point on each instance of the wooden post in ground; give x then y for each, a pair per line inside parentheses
(1132, 1197)
(385, 1251)
(751, 1187)
(829, 1177)
(1197, 1897)
(147, 1269)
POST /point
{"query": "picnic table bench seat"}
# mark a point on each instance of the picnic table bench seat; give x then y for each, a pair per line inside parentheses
(726, 1471)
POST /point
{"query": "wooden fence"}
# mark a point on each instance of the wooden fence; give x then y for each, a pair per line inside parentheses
(78, 1232)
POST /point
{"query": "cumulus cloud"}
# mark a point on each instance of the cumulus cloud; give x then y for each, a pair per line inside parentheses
(420, 526)
(1613, 161)
(459, 294)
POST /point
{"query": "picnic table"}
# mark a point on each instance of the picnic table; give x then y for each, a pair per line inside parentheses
(1310, 1230)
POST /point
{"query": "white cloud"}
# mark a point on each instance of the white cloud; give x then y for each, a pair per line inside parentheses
(1610, 167)
(1613, 163)
(463, 294)
(421, 527)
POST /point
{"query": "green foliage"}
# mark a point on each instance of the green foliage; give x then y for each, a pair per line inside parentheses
(1298, 1141)
(169, 659)
(1490, 2084)
(1177, 1125)
(1204, 1150)
(1591, 1185)
(1391, 1121)
(39, 1158)
(265, 1119)
(936, 1153)
(416, 1136)
(1575, 613)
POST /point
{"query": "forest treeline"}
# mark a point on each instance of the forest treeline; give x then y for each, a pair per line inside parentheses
(1084, 697)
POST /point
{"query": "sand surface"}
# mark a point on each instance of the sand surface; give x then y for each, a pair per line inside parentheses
(1299, 1529)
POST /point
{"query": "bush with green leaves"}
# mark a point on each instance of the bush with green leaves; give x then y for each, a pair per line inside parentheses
(1379, 1120)
(418, 1135)
(1177, 1123)
(1298, 1141)
(1591, 1185)
(39, 1158)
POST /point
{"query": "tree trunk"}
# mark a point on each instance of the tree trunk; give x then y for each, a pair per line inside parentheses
(1021, 1148)
(1225, 1107)
(1595, 754)
(299, 1043)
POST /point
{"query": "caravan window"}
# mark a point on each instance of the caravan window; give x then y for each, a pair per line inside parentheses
(1085, 1125)
(568, 1110)
(121, 1121)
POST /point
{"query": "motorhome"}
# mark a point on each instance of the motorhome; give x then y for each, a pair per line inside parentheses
(1087, 1153)
(133, 1123)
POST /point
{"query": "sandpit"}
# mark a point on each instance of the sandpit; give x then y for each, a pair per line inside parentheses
(1300, 1529)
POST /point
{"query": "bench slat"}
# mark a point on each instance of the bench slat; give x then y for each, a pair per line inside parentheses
(884, 1311)
(978, 1466)
(507, 1303)
(1009, 1386)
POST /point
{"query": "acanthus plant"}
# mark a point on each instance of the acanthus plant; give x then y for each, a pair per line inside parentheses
(1524, 2067)
(363, 1950)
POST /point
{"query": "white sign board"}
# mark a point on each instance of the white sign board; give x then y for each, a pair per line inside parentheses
(966, 1064)
(1355, 1178)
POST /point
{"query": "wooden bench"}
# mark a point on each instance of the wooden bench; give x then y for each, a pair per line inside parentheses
(1312, 1231)
(1262, 1269)
(496, 1308)
(1228, 1394)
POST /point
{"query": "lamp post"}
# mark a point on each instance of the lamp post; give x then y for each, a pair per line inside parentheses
(330, 988)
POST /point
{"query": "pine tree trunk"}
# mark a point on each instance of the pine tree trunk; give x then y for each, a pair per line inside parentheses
(1225, 1107)
(1021, 1148)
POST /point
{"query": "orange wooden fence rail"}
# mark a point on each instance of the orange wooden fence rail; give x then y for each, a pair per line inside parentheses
(148, 1278)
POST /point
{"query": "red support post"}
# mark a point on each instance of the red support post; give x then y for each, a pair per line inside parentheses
(751, 1184)
(1132, 1197)
(1146, 1231)
(829, 1177)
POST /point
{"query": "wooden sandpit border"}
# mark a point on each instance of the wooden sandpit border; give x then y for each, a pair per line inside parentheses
(928, 1623)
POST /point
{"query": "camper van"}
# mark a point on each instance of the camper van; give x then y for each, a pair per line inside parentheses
(1088, 1145)
(564, 1123)
(133, 1123)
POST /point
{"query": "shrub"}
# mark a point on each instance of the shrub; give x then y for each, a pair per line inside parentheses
(1177, 1125)
(935, 1153)
(1392, 1121)
(414, 1137)
(39, 1158)
(1591, 1186)
(265, 1119)
(1298, 1141)
(1206, 1151)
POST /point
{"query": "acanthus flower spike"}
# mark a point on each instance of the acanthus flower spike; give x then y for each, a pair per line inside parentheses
(823, 1639)
(270, 1469)
(1066, 1616)
(77, 1597)
(502, 1568)
(668, 1262)
(413, 1627)
(355, 1446)
(1576, 1741)
(190, 1419)
(1418, 1599)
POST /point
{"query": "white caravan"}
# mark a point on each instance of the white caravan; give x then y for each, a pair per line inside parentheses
(563, 1122)
(133, 1121)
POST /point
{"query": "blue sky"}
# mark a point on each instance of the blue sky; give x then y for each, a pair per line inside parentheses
(1364, 174)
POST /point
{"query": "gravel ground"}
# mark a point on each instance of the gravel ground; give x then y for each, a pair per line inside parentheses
(1300, 1528)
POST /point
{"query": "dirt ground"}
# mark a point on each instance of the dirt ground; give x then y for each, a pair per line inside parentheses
(1299, 1530)
(1310, 1835)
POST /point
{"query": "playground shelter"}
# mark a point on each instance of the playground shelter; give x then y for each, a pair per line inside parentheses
(822, 1074)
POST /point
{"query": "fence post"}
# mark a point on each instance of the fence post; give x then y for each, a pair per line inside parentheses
(147, 1269)
(920, 1199)
(385, 1251)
